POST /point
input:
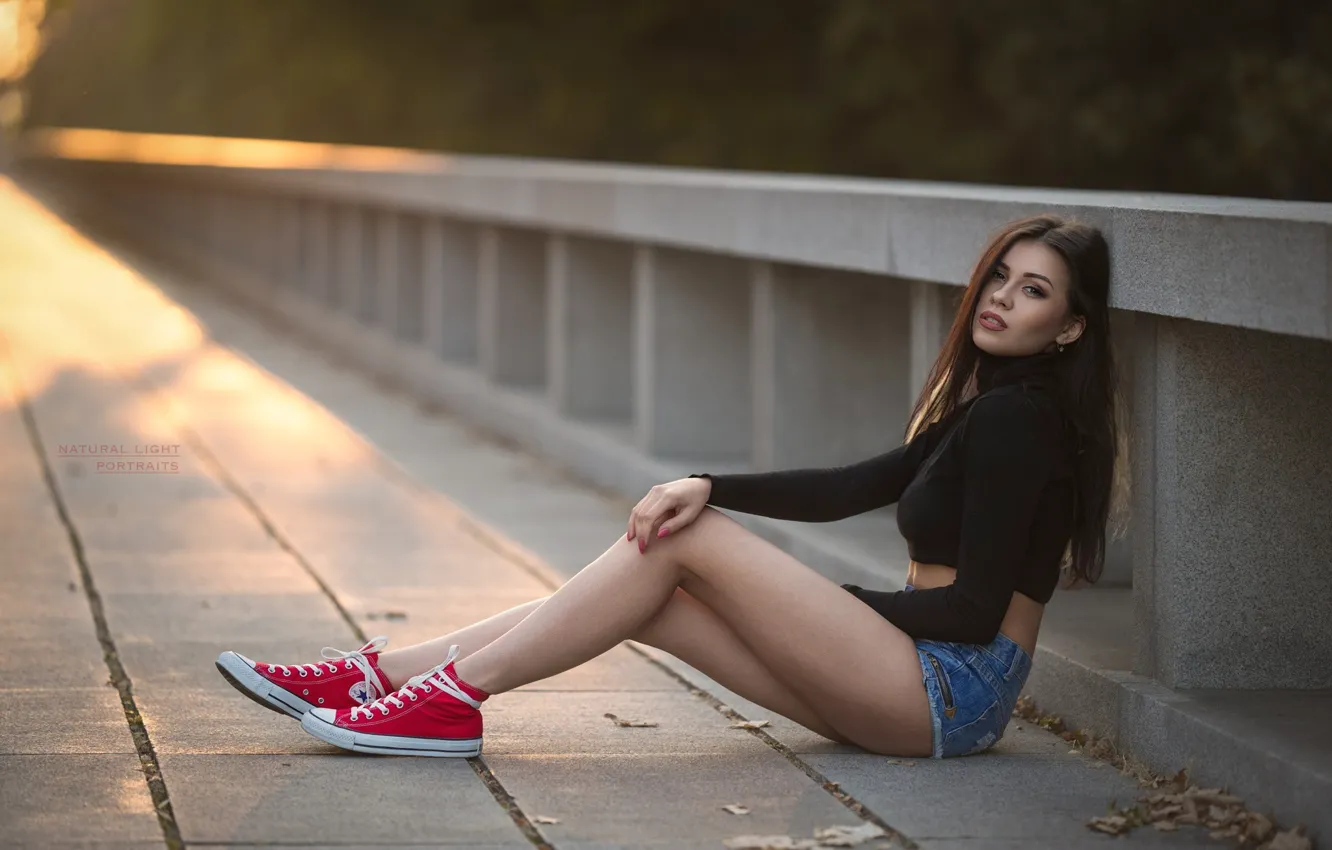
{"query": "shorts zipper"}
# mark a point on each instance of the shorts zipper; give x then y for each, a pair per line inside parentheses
(949, 708)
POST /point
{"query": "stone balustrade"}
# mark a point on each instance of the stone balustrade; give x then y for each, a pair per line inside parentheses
(635, 323)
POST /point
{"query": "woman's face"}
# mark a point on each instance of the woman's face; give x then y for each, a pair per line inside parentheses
(1028, 291)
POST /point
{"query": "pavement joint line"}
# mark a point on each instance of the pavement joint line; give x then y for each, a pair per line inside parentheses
(143, 745)
(197, 444)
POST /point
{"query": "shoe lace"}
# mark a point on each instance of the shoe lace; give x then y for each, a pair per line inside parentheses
(350, 660)
(433, 678)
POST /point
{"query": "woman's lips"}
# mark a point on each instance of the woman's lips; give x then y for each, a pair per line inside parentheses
(989, 322)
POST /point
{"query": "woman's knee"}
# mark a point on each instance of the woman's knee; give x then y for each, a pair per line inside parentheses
(711, 526)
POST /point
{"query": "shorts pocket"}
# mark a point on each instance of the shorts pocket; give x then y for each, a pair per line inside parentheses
(1009, 668)
(949, 705)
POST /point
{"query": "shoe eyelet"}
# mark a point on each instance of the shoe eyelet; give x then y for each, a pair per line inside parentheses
(319, 672)
(426, 688)
(321, 700)
(414, 698)
(383, 709)
(272, 669)
(305, 693)
(348, 666)
(304, 674)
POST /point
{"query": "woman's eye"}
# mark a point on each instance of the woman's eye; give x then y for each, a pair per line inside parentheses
(1036, 289)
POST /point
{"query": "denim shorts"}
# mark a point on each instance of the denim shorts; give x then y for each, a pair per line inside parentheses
(973, 689)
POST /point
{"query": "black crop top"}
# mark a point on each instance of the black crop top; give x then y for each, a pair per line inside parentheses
(987, 490)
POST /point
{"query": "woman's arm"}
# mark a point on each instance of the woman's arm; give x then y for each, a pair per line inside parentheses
(823, 495)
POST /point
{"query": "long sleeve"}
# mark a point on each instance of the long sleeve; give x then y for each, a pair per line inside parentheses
(828, 494)
(1010, 446)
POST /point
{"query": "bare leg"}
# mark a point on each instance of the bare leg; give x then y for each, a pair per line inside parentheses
(686, 628)
(608, 601)
(402, 664)
(693, 633)
(859, 672)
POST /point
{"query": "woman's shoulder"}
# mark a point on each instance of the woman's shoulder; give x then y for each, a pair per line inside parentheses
(1016, 415)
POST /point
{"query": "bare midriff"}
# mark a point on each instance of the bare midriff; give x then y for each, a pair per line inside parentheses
(1022, 621)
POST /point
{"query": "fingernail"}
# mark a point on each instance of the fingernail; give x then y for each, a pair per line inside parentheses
(663, 532)
(628, 535)
(641, 545)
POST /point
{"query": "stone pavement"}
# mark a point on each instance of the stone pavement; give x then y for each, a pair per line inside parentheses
(310, 507)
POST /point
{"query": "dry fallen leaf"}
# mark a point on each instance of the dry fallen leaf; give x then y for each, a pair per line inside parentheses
(847, 836)
(622, 722)
(1260, 826)
(1110, 825)
(1293, 839)
(770, 842)
(544, 819)
(832, 836)
(736, 809)
(751, 724)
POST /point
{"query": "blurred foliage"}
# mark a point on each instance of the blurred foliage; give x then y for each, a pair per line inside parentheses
(1230, 98)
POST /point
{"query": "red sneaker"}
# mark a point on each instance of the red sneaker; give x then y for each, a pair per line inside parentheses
(342, 680)
(434, 714)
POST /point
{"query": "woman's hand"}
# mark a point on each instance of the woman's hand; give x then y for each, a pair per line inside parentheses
(667, 508)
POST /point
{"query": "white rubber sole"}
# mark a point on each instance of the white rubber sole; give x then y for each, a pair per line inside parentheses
(240, 672)
(389, 745)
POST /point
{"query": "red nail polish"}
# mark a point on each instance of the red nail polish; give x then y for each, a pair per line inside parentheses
(641, 545)
(663, 532)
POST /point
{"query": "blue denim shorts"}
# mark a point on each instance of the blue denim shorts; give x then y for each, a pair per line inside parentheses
(973, 689)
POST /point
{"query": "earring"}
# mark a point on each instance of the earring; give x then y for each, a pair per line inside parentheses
(1061, 347)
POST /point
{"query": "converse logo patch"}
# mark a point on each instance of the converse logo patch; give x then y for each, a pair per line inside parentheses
(361, 693)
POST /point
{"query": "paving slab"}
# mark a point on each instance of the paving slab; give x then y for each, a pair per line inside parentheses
(202, 573)
(44, 619)
(557, 723)
(68, 767)
(516, 845)
(84, 845)
(1050, 800)
(75, 798)
(334, 798)
(191, 526)
(1092, 841)
(218, 721)
(51, 721)
(663, 800)
(79, 667)
(189, 662)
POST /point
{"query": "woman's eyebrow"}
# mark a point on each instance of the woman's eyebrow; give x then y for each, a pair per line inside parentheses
(1004, 266)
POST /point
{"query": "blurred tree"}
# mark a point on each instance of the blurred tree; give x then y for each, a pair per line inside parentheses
(1232, 99)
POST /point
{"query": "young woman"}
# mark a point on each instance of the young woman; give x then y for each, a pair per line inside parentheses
(1004, 482)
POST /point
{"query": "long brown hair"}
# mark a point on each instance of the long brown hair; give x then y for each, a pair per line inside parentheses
(1087, 378)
